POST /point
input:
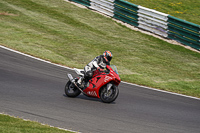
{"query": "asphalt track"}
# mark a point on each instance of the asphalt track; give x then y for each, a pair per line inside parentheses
(34, 90)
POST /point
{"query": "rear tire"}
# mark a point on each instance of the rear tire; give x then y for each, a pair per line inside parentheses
(71, 90)
(111, 95)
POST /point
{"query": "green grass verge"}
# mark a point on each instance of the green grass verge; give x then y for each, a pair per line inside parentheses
(184, 9)
(66, 34)
(10, 124)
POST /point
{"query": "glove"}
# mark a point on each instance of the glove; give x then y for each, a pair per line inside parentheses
(100, 70)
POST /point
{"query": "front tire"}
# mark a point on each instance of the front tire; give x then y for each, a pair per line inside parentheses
(111, 95)
(71, 90)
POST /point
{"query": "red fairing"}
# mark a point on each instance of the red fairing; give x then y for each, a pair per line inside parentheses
(100, 79)
(115, 75)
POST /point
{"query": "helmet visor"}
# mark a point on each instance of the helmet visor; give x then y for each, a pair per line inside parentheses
(109, 58)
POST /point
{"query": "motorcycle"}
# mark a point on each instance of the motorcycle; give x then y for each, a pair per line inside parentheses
(103, 84)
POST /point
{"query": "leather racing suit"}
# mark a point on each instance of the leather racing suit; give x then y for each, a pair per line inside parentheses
(97, 63)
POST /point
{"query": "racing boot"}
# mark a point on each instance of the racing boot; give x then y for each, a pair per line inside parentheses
(80, 82)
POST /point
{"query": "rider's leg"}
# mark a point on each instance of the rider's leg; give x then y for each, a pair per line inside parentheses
(87, 75)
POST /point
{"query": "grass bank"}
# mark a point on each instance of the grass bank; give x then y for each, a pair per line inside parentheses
(66, 34)
(184, 9)
(16, 125)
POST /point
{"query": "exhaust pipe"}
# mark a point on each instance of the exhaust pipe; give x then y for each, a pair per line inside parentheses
(70, 77)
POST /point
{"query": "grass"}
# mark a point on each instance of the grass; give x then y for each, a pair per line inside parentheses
(184, 9)
(66, 34)
(10, 124)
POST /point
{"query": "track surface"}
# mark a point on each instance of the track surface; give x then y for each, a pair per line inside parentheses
(34, 90)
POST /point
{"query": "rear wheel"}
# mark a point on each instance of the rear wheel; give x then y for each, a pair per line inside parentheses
(109, 96)
(71, 90)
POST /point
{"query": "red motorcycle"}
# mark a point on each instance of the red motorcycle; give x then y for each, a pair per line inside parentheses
(103, 85)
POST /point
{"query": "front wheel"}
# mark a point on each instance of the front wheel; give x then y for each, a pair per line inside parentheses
(111, 95)
(71, 90)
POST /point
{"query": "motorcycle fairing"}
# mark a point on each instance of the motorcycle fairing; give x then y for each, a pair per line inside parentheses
(96, 83)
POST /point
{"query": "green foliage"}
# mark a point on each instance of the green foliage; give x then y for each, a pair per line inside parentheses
(63, 33)
(16, 125)
(184, 9)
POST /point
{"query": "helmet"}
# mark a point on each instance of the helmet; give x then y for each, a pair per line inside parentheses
(107, 56)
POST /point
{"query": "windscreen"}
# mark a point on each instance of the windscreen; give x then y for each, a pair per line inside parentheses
(114, 68)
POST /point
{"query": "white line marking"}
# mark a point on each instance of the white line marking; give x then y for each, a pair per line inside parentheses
(38, 122)
(73, 69)
(162, 91)
(35, 57)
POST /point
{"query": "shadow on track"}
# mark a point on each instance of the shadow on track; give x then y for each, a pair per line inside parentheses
(83, 97)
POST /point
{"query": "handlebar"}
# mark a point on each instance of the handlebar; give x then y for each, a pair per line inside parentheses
(102, 70)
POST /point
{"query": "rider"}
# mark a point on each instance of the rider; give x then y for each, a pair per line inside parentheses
(99, 62)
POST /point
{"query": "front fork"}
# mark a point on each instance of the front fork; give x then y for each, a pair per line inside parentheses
(108, 87)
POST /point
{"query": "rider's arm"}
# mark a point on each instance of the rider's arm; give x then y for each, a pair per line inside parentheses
(95, 64)
(96, 61)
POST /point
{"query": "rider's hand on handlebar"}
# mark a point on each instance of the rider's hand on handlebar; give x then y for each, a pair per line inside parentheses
(100, 70)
